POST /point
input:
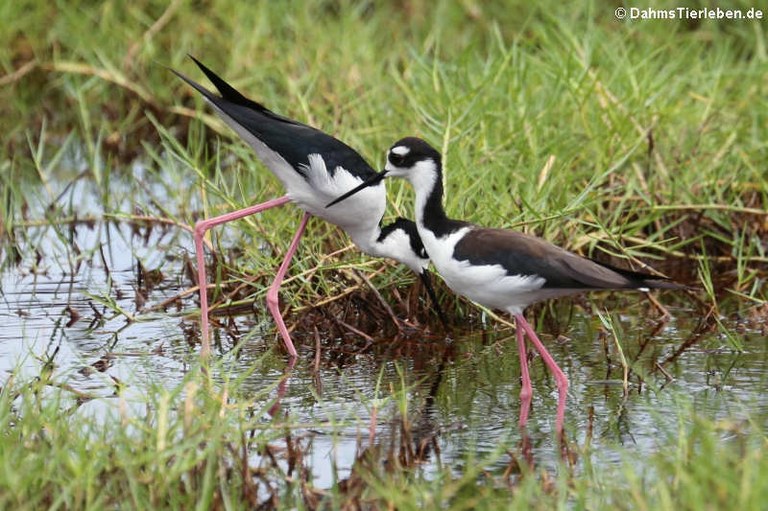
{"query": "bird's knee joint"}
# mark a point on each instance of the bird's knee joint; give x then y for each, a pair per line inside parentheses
(200, 228)
(273, 299)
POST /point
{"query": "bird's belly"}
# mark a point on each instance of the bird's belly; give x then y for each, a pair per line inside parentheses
(360, 209)
(490, 285)
(364, 209)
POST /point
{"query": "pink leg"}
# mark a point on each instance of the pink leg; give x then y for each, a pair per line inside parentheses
(281, 387)
(372, 426)
(560, 378)
(200, 229)
(526, 392)
(272, 298)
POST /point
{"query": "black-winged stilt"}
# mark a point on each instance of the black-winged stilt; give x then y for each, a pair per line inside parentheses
(314, 167)
(498, 268)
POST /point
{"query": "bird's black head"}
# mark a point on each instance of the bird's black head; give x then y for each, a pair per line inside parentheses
(411, 233)
(393, 240)
(407, 153)
(409, 157)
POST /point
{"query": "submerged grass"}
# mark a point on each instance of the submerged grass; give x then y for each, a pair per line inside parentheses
(639, 141)
(210, 445)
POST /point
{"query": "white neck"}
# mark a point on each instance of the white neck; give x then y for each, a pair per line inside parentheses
(396, 246)
(365, 239)
(423, 178)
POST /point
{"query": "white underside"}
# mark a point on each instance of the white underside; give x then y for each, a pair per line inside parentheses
(359, 215)
(488, 285)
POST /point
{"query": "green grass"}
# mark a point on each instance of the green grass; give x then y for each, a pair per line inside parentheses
(642, 141)
(205, 445)
(637, 140)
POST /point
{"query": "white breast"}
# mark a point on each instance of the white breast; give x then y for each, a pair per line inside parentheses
(488, 285)
(359, 215)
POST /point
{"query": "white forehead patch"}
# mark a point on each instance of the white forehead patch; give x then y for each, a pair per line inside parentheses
(400, 150)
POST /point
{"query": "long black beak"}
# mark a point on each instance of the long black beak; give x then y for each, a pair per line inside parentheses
(427, 280)
(375, 179)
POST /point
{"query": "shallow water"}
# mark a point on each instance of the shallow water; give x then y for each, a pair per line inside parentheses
(462, 393)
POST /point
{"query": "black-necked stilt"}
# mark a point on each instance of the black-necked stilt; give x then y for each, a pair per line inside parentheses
(498, 268)
(314, 167)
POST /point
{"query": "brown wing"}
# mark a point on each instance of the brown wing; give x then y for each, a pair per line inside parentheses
(521, 254)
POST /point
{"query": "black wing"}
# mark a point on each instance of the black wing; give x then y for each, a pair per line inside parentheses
(291, 139)
(521, 254)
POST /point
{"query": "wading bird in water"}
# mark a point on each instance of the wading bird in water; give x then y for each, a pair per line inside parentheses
(314, 167)
(498, 268)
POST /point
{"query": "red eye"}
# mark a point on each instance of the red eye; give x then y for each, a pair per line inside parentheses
(396, 159)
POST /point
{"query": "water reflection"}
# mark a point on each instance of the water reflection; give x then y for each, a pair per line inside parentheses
(428, 400)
